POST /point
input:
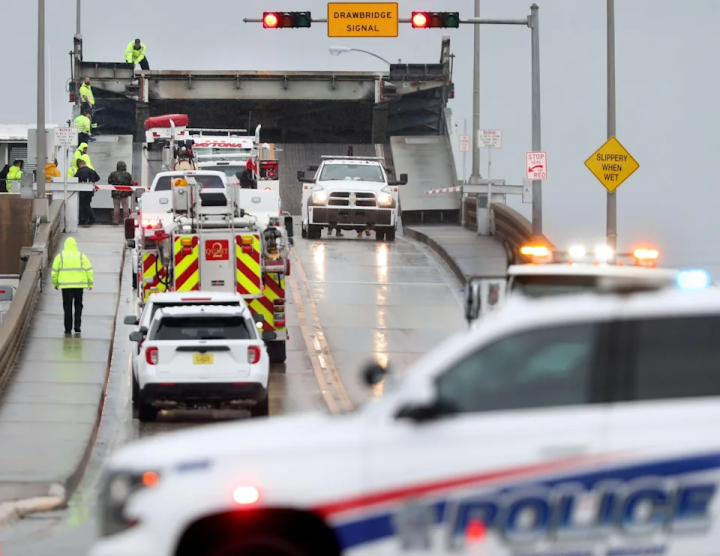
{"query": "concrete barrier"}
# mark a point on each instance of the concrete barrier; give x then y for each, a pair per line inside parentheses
(18, 317)
(16, 230)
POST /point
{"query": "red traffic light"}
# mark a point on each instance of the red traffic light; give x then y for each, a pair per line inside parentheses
(270, 20)
(419, 19)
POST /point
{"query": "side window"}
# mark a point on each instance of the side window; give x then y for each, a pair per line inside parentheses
(539, 368)
(676, 358)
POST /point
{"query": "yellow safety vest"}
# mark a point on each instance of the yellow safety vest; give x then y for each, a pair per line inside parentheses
(86, 91)
(13, 179)
(71, 268)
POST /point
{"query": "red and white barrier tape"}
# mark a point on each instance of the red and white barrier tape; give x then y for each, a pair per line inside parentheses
(444, 190)
(119, 187)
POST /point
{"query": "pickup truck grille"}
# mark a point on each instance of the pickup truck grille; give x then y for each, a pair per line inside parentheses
(350, 199)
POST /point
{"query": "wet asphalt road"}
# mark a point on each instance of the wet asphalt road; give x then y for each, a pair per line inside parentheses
(352, 301)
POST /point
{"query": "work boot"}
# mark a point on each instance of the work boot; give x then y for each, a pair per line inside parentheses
(367, 232)
(338, 233)
(359, 234)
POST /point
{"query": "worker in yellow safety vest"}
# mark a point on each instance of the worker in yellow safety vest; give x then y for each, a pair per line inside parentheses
(72, 274)
(135, 54)
(86, 96)
(84, 124)
(14, 175)
(80, 154)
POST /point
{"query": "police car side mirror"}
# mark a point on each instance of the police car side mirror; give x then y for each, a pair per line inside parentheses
(137, 336)
(258, 319)
(426, 411)
(132, 320)
(473, 298)
(373, 374)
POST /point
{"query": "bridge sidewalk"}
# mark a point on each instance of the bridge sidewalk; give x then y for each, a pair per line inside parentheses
(466, 253)
(50, 409)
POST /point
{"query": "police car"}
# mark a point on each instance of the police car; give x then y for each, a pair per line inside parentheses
(570, 425)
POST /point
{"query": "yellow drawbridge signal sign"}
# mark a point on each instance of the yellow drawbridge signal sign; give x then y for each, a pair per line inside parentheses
(612, 164)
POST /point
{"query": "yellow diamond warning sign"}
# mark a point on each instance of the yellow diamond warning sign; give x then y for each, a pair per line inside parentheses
(362, 19)
(612, 164)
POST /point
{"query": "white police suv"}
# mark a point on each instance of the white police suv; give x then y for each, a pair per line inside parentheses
(570, 425)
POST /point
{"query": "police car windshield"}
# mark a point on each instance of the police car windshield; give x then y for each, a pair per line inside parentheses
(543, 286)
(354, 172)
(164, 183)
(156, 306)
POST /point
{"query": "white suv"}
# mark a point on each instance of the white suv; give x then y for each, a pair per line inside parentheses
(350, 193)
(201, 356)
(565, 425)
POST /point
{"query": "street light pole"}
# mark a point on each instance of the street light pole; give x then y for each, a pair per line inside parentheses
(40, 193)
(537, 223)
(611, 122)
(475, 175)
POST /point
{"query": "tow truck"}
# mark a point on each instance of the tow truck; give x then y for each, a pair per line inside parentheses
(350, 193)
(221, 238)
(551, 272)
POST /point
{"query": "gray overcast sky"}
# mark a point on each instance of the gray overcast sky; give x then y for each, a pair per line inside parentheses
(667, 89)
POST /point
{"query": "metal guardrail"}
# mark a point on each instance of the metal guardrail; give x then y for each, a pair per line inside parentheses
(18, 318)
(508, 225)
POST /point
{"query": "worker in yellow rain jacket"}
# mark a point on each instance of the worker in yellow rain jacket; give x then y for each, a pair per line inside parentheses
(84, 124)
(51, 171)
(14, 175)
(72, 274)
(135, 54)
(80, 154)
(86, 96)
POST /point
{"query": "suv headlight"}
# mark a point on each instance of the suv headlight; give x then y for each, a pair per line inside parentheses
(320, 196)
(117, 489)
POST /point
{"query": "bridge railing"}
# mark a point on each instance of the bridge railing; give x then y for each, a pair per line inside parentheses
(19, 316)
(511, 227)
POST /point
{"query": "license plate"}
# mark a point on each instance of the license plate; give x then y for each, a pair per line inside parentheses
(203, 359)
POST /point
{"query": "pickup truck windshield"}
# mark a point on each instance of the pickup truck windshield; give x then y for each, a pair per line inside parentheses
(202, 328)
(164, 183)
(354, 172)
(542, 286)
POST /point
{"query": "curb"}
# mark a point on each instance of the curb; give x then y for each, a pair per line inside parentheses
(59, 493)
(440, 250)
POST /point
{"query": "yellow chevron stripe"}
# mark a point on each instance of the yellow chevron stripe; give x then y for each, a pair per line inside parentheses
(151, 273)
(253, 284)
(184, 264)
(258, 308)
(190, 283)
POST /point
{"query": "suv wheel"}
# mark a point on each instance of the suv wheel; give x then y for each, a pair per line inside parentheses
(261, 409)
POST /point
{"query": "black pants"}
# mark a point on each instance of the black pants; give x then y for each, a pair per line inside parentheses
(82, 138)
(72, 296)
(144, 64)
(86, 216)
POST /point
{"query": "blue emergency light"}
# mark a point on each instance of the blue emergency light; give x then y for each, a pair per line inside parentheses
(693, 279)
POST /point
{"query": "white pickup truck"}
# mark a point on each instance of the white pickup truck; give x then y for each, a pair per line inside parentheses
(350, 193)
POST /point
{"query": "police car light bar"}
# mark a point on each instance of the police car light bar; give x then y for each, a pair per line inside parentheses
(342, 157)
(603, 254)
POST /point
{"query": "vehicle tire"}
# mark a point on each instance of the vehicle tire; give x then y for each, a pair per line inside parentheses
(134, 280)
(146, 412)
(379, 235)
(277, 352)
(303, 231)
(135, 392)
(314, 232)
(390, 235)
(261, 409)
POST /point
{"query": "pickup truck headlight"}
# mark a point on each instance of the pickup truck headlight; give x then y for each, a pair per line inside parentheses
(117, 489)
(320, 196)
(384, 199)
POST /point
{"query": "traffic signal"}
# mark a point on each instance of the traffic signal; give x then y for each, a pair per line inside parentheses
(435, 20)
(286, 20)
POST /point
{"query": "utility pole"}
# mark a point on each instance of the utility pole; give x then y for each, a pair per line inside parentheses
(537, 214)
(611, 123)
(476, 100)
(40, 192)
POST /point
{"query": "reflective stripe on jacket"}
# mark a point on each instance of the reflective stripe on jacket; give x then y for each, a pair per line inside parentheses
(71, 268)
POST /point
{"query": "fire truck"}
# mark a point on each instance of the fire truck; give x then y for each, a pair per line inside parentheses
(213, 236)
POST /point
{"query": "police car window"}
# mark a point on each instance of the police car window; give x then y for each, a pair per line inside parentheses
(541, 286)
(355, 172)
(540, 368)
(202, 328)
(676, 358)
(156, 306)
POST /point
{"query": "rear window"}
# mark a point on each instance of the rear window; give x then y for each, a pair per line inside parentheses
(543, 286)
(676, 358)
(164, 183)
(203, 328)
